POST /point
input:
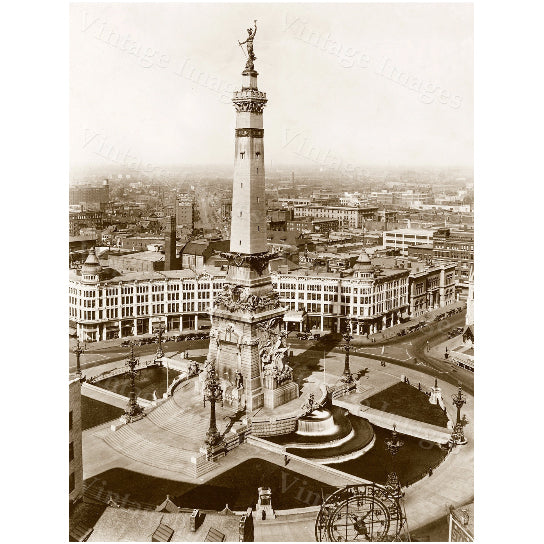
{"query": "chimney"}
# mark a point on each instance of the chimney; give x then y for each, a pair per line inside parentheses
(170, 260)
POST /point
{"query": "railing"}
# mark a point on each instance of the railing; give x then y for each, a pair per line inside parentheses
(107, 393)
(275, 448)
(120, 370)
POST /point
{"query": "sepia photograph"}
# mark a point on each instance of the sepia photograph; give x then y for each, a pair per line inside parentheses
(271, 275)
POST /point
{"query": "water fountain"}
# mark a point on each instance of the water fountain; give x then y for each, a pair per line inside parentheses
(319, 422)
(327, 434)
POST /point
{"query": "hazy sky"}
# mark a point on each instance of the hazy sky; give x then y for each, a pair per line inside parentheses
(361, 84)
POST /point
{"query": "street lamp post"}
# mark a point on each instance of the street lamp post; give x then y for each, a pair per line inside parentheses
(160, 332)
(458, 435)
(78, 350)
(347, 376)
(212, 393)
(393, 445)
(133, 410)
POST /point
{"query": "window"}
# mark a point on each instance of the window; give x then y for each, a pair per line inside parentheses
(242, 153)
(71, 419)
(71, 451)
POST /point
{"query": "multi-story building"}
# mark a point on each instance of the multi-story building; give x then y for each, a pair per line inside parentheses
(137, 243)
(185, 208)
(277, 219)
(79, 220)
(431, 287)
(108, 305)
(290, 202)
(346, 216)
(90, 197)
(458, 247)
(226, 209)
(371, 297)
(403, 238)
(307, 224)
(75, 453)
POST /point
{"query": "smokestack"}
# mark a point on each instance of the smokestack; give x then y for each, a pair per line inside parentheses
(170, 260)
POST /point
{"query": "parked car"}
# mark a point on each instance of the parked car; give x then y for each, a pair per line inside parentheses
(125, 343)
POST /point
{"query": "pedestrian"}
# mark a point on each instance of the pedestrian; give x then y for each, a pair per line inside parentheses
(430, 472)
(286, 460)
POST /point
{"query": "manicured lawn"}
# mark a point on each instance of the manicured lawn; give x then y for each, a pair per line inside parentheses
(407, 401)
(148, 381)
(412, 462)
(94, 412)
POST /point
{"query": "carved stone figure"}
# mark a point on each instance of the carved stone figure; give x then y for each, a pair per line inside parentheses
(249, 46)
(239, 380)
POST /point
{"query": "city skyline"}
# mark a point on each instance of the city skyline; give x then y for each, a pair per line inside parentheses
(347, 88)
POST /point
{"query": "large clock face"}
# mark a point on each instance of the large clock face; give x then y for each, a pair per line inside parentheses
(359, 513)
(359, 518)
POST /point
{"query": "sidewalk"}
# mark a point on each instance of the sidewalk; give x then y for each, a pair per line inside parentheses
(103, 344)
(391, 332)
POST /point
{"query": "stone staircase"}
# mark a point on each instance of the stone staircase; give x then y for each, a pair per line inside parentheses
(133, 445)
(178, 420)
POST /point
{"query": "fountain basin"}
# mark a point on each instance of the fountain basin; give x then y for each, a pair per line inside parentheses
(320, 422)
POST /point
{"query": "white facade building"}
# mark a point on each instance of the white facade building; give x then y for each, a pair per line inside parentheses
(107, 305)
(403, 238)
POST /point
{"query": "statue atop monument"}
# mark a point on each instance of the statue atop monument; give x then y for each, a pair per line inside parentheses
(249, 45)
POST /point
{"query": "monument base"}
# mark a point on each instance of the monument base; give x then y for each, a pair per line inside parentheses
(214, 452)
(282, 394)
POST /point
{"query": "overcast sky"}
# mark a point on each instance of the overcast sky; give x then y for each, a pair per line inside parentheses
(365, 84)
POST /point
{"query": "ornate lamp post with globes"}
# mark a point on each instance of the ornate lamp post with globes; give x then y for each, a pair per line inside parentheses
(212, 393)
(458, 435)
(347, 376)
(78, 350)
(133, 410)
(393, 445)
(160, 332)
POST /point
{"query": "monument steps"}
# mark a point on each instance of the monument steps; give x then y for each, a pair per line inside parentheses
(133, 445)
(179, 421)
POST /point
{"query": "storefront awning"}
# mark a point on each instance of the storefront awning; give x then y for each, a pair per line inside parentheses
(294, 317)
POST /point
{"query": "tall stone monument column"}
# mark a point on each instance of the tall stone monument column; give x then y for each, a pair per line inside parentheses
(247, 316)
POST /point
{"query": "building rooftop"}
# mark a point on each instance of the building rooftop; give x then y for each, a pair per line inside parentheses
(156, 276)
(83, 238)
(465, 516)
(150, 256)
(127, 525)
(410, 231)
